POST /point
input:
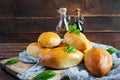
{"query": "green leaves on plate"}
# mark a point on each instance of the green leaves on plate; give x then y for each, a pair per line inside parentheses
(111, 50)
(10, 62)
(70, 49)
(45, 75)
(73, 28)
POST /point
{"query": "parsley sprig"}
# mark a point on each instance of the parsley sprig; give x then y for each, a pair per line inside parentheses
(73, 28)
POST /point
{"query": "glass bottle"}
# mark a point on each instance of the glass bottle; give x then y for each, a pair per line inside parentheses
(62, 27)
(78, 19)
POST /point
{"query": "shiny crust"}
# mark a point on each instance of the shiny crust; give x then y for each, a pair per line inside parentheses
(49, 39)
(35, 50)
(58, 58)
(78, 40)
(98, 61)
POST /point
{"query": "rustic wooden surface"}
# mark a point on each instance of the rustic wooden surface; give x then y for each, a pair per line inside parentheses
(42, 7)
(20, 41)
(19, 16)
(22, 21)
(41, 24)
(21, 67)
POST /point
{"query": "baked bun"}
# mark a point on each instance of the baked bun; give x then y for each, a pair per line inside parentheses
(78, 40)
(98, 61)
(49, 39)
(58, 58)
(35, 50)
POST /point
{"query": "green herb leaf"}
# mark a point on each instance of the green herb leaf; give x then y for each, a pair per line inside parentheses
(111, 50)
(70, 49)
(10, 62)
(45, 75)
(77, 31)
(73, 28)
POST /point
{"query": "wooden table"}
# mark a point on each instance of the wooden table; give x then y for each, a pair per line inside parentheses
(8, 50)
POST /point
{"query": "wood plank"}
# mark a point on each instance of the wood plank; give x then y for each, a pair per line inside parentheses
(13, 46)
(21, 67)
(11, 49)
(42, 24)
(112, 39)
(6, 8)
(48, 8)
(23, 39)
(7, 25)
(92, 24)
(14, 69)
(9, 54)
(102, 24)
(88, 7)
(18, 37)
(8, 50)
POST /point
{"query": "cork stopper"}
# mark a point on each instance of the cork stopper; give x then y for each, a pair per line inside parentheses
(77, 11)
(62, 11)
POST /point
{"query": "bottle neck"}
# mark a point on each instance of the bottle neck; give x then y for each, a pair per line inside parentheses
(79, 18)
(62, 16)
(76, 18)
(78, 21)
(63, 21)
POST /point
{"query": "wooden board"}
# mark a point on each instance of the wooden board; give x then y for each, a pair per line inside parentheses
(21, 67)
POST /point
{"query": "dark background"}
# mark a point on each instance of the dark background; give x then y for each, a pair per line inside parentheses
(20, 19)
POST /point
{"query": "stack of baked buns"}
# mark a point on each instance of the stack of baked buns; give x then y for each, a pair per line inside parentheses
(58, 54)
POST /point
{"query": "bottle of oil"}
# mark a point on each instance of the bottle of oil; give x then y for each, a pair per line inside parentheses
(62, 27)
(78, 19)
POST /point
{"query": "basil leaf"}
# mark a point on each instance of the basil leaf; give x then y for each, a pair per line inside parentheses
(111, 50)
(70, 49)
(10, 62)
(77, 31)
(73, 28)
(45, 75)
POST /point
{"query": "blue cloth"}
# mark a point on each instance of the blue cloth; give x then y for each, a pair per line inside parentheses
(24, 57)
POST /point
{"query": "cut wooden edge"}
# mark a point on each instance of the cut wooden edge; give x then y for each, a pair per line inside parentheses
(21, 67)
(18, 68)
